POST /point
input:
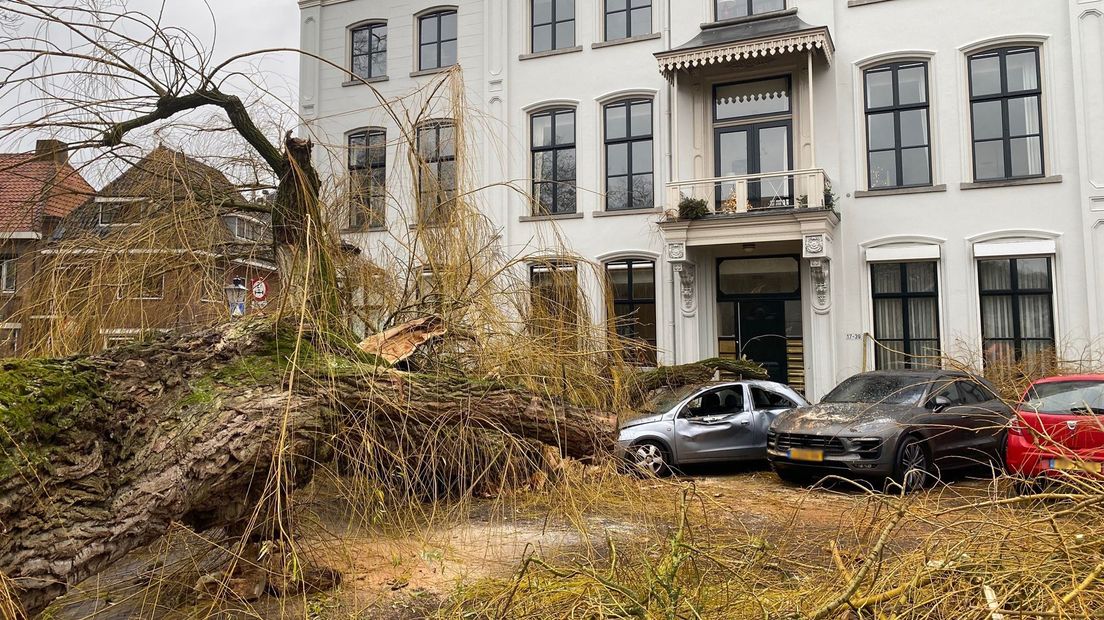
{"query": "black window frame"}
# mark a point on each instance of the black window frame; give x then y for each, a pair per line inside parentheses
(1004, 96)
(439, 40)
(905, 295)
(629, 139)
(375, 201)
(432, 165)
(558, 184)
(554, 26)
(750, 10)
(562, 315)
(1015, 292)
(645, 356)
(628, 10)
(897, 109)
(370, 28)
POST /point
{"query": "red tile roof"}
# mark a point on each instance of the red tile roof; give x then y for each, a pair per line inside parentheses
(32, 188)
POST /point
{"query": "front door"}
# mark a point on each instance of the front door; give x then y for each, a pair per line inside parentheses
(759, 315)
(757, 149)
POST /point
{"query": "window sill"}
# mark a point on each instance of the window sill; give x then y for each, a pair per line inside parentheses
(643, 37)
(627, 212)
(363, 81)
(364, 229)
(559, 52)
(424, 72)
(1056, 178)
(550, 217)
(854, 3)
(747, 19)
(899, 191)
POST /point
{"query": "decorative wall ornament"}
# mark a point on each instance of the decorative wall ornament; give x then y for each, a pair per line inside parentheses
(821, 272)
(676, 251)
(686, 276)
(814, 246)
(811, 40)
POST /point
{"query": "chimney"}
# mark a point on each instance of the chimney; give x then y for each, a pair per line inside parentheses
(54, 150)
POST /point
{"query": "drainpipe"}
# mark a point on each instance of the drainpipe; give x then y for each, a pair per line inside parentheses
(668, 273)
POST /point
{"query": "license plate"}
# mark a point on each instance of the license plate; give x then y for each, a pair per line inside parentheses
(804, 454)
(1066, 464)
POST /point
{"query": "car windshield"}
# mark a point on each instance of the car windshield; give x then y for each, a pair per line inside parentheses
(1082, 397)
(664, 402)
(888, 389)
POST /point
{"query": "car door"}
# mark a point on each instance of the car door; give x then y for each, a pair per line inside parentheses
(948, 424)
(714, 426)
(989, 412)
(766, 404)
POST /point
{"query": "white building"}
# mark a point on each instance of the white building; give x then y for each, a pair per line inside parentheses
(927, 173)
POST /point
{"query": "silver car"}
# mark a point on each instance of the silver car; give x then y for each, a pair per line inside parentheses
(706, 423)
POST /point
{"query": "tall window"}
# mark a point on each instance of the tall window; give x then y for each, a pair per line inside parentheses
(897, 135)
(1005, 104)
(553, 24)
(368, 177)
(554, 161)
(437, 40)
(370, 51)
(906, 315)
(555, 303)
(437, 176)
(629, 181)
(632, 282)
(1017, 315)
(628, 18)
(7, 274)
(730, 9)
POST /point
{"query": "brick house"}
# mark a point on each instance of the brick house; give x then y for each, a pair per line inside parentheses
(152, 251)
(37, 190)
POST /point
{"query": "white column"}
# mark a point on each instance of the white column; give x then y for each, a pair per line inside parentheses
(812, 113)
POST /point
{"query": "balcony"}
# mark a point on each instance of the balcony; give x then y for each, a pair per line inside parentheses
(756, 193)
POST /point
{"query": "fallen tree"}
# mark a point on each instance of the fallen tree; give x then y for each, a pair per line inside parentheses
(101, 454)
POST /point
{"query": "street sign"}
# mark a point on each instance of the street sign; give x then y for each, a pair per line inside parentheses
(259, 289)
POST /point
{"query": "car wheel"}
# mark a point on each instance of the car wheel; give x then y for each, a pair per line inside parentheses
(911, 470)
(651, 458)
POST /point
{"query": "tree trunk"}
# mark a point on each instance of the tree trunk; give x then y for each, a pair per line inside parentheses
(102, 454)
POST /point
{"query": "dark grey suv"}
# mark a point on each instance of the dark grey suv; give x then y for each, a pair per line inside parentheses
(905, 426)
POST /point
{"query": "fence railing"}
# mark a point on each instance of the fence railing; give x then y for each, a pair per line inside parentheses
(791, 189)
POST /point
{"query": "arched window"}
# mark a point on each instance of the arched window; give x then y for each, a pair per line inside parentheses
(437, 40)
(633, 301)
(1006, 113)
(368, 177)
(629, 157)
(553, 151)
(898, 137)
(369, 50)
(437, 172)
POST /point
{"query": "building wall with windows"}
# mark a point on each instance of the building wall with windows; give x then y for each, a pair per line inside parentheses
(887, 180)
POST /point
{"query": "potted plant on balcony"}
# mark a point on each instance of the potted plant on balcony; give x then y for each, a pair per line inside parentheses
(692, 208)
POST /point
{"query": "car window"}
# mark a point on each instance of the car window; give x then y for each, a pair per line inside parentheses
(717, 402)
(766, 399)
(972, 392)
(1077, 397)
(890, 389)
(948, 388)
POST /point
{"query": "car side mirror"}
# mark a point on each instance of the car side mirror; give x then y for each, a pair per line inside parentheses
(939, 403)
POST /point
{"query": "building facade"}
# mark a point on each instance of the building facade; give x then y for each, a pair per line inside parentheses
(879, 182)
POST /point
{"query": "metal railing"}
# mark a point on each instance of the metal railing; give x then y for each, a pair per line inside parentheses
(791, 189)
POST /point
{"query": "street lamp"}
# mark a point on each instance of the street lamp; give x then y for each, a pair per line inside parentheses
(235, 297)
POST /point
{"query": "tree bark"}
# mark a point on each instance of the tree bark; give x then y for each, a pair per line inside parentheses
(102, 454)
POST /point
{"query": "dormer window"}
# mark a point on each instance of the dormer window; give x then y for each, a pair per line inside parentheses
(732, 9)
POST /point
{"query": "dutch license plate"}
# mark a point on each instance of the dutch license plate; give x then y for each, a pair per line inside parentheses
(805, 454)
(1066, 464)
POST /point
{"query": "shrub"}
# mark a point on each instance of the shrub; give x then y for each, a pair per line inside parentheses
(692, 208)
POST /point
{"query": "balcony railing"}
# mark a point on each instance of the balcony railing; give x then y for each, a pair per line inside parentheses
(792, 189)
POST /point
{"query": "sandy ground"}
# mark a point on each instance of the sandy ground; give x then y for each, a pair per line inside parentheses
(406, 577)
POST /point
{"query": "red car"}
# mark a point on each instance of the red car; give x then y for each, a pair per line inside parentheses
(1058, 428)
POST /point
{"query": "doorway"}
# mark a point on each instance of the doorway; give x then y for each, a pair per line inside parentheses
(759, 314)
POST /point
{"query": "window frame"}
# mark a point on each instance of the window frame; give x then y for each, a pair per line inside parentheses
(370, 27)
(374, 216)
(628, 265)
(750, 10)
(897, 108)
(434, 164)
(555, 149)
(905, 296)
(628, 139)
(1004, 96)
(629, 8)
(120, 295)
(553, 23)
(438, 42)
(9, 271)
(572, 306)
(1015, 293)
(11, 335)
